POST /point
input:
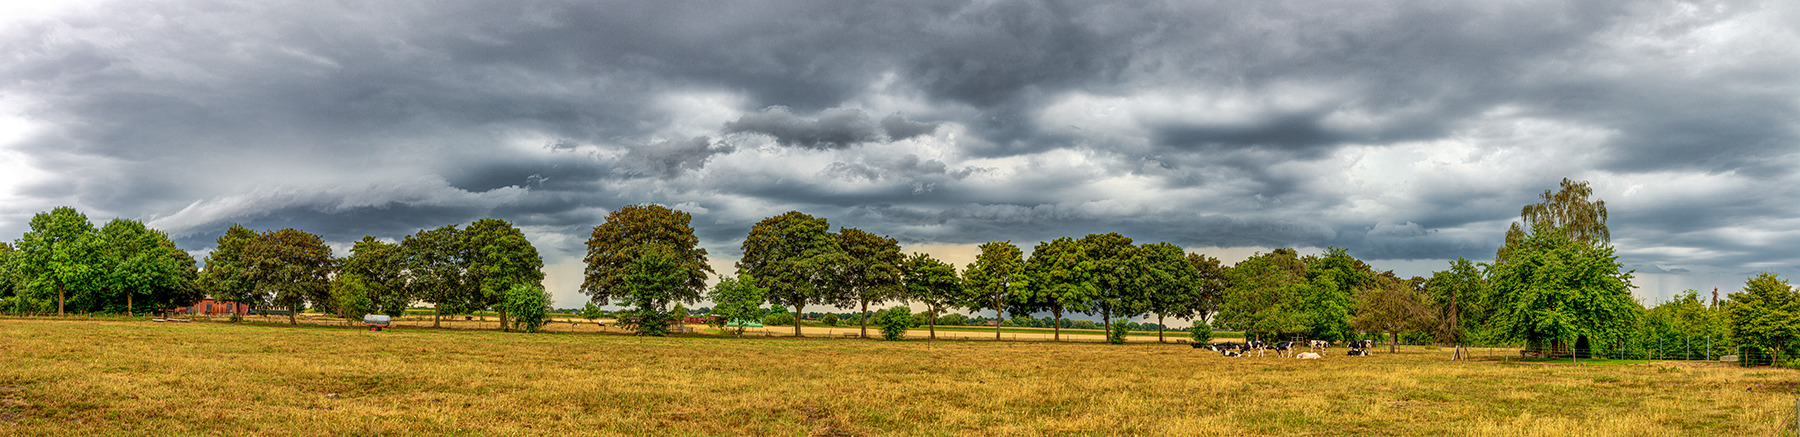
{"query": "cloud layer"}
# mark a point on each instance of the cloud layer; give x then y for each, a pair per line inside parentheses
(1402, 130)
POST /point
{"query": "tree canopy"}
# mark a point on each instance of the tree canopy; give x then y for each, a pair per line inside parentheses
(1461, 298)
(382, 276)
(1058, 277)
(1109, 257)
(499, 258)
(994, 280)
(736, 299)
(933, 283)
(58, 253)
(1552, 288)
(873, 272)
(1766, 314)
(1171, 285)
(1566, 210)
(796, 259)
(437, 265)
(631, 230)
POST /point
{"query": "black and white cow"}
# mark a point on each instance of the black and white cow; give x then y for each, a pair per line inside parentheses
(1359, 352)
(1282, 349)
(1319, 345)
(1230, 353)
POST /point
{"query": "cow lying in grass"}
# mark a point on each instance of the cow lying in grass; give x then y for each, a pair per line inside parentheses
(1307, 356)
(1359, 353)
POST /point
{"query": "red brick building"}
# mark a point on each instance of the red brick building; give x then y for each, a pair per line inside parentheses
(210, 307)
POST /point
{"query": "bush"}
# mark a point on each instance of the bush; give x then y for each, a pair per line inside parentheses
(894, 322)
(1116, 335)
(829, 319)
(1084, 324)
(953, 319)
(527, 307)
(779, 319)
(1201, 332)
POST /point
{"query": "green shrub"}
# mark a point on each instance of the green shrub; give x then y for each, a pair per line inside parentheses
(894, 322)
(829, 319)
(1201, 332)
(1116, 335)
(527, 307)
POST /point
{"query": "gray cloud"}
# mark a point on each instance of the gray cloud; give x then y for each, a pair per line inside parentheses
(1401, 130)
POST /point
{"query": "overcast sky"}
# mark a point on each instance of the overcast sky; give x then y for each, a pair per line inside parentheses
(1409, 133)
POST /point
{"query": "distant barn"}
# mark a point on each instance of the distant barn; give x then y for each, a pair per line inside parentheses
(211, 307)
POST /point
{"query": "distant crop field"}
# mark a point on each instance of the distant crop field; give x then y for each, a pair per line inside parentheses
(77, 377)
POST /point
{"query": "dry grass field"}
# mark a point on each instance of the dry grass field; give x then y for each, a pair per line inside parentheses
(72, 377)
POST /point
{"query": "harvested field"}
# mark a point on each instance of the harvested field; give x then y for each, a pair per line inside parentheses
(72, 377)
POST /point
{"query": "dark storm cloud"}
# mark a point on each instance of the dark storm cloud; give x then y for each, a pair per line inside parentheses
(835, 128)
(1396, 129)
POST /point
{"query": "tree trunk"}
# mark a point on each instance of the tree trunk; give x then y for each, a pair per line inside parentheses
(934, 323)
(436, 314)
(797, 314)
(127, 303)
(60, 296)
(503, 325)
(1159, 328)
(292, 311)
(865, 320)
(997, 313)
(1058, 312)
(1394, 341)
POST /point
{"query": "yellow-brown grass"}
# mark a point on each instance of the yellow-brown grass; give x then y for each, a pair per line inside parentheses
(66, 377)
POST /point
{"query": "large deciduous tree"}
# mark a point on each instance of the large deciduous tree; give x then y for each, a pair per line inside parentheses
(1171, 285)
(499, 257)
(873, 274)
(229, 274)
(381, 271)
(139, 264)
(631, 230)
(1766, 314)
(59, 252)
(1461, 297)
(295, 267)
(994, 280)
(1212, 282)
(1393, 306)
(1330, 298)
(438, 266)
(1263, 294)
(1553, 288)
(933, 283)
(1059, 277)
(1109, 257)
(796, 259)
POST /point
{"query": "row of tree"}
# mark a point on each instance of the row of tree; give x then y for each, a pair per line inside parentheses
(125, 267)
(1554, 283)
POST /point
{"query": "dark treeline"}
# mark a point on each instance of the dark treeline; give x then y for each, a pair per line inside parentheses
(1555, 285)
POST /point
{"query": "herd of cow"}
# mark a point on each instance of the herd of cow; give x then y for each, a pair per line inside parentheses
(1359, 348)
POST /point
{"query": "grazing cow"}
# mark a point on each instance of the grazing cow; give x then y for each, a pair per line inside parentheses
(1257, 346)
(1319, 345)
(1282, 349)
(1307, 356)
